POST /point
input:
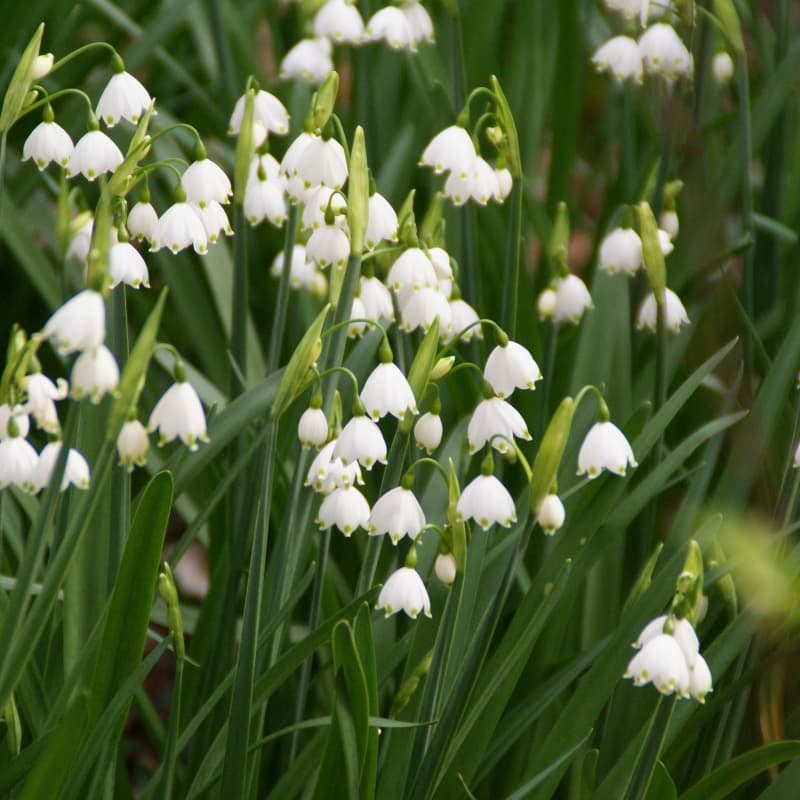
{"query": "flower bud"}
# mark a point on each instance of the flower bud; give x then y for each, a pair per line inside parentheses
(42, 65)
(551, 514)
(445, 568)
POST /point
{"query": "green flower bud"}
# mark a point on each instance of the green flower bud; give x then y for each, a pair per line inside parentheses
(551, 450)
(652, 255)
(358, 192)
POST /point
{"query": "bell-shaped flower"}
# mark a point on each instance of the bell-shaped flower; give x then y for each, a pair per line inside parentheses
(316, 161)
(675, 316)
(419, 20)
(486, 501)
(312, 430)
(265, 196)
(123, 98)
(422, 308)
(93, 155)
(622, 58)
(497, 422)
(301, 270)
(668, 222)
(205, 182)
(20, 426)
(339, 20)
(661, 663)
(511, 367)
(440, 259)
(179, 414)
(664, 242)
(376, 299)
(505, 183)
(142, 222)
(463, 319)
(392, 26)
(42, 65)
(267, 110)
(479, 184)
(411, 271)
(664, 54)
(361, 440)
(428, 431)
(551, 514)
(358, 326)
(319, 473)
(347, 509)
(572, 299)
(215, 220)
(328, 246)
(94, 374)
(344, 476)
(41, 394)
(127, 266)
(450, 150)
(81, 241)
(397, 513)
(605, 447)
(309, 59)
(546, 304)
(620, 251)
(404, 591)
(18, 462)
(320, 201)
(446, 568)
(700, 681)
(722, 68)
(80, 324)
(387, 391)
(76, 470)
(180, 227)
(133, 444)
(381, 222)
(681, 629)
(47, 142)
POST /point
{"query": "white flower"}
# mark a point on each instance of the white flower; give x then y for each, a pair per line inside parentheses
(419, 20)
(404, 591)
(20, 419)
(215, 220)
(546, 304)
(18, 462)
(664, 242)
(80, 324)
(422, 308)
(81, 240)
(178, 228)
(347, 509)
(440, 259)
(319, 473)
(397, 513)
(123, 98)
(312, 430)
(328, 246)
(463, 316)
(668, 222)
(309, 59)
(445, 568)
(357, 328)
(42, 65)
(451, 149)
(675, 315)
(76, 470)
(94, 374)
(179, 413)
(361, 440)
(572, 299)
(722, 67)
(511, 367)
(620, 250)
(301, 271)
(552, 514)
(605, 447)
(127, 266)
(381, 222)
(700, 679)
(392, 26)
(479, 184)
(661, 663)
(339, 20)
(41, 396)
(387, 391)
(411, 271)
(622, 58)
(316, 161)
(264, 194)
(505, 183)
(681, 629)
(142, 222)
(428, 431)
(495, 421)
(486, 501)
(205, 182)
(93, 155)
(267, 110)
(47, 142)
(133, 445)
(317, 202)
(663, 52)
(376, 299)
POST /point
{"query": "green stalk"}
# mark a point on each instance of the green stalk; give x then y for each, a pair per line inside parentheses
(508, 316)
(240, 299)
(282, 304)
(3, 144)
(224, 52)
(651, 749)
(551, 340)
(171, 750)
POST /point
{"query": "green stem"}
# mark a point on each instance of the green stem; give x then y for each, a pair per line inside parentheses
(651, 749)
(171, 750)
(80, 51)
(508, 317)
(551, 340)
(3, 144)
(224, 51)
(240, 300)
(282, 303)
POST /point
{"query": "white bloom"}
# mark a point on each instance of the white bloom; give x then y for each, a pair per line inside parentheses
(404, 591)
(18, 462)
(451, 149)
(178, 228)
(675, 315)
(127, 266)
(361, 440)
(700, 679)
(318, 475)
(664, 242)
(622, 58)
(422, 308)
(47, 142)
(387, 391)
(552, 514)
(267, 110)
(605, 447)
(443, 268)
(20, 418)
(682, 630)
(661, 663)
(347, 509)
(505, 183)
(312, 430)
(479, 184)
(419, 20)
(328, 246)
(376, 299)
(41, 396)
(264, 195)
(317, 202)
(495, 421)
(309, 59)
(179, 413)
(123, 98)
(511, 367)
(663, 52)
(572, 299)
(357, 328)
(205, 182)
(546, 304)
(486, 501)
(42, 65)
(76, 470)
(463, 316)
(142, 222)
(80, 324)
(339, 20)
(411, 271)
(668, 222)
(344, 476)
(722, 67)
(445, 568)
(133, 445)
(316, 161)
(381, 222)
(215, 220)
(301, 271)
(392, 26)
(94, 374)
(93, 155)
(620, 250)
(81, 241)
(397, 513)
(428, 431)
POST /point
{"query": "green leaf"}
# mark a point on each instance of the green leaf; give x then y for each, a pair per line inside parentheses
(730, 26)
(424, 361)
(551, 450)
(244, 151)
(362, 637)
(20, 83)
(662, 787)
(785, 786)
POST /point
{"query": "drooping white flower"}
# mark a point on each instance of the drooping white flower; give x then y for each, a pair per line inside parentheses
(572, 299)
(339, 20)
(404, 591)
(214, 220)
(347, 509)
(381, 222)
(179, 414)
(397, 513)
(664, 54)
(93, 155)
(463, 318)
(622, 58)
(180, 227)
(505, 183)
(376, 300)
(127, 266)
(309, 59)
(668, 222)
(319, 473)
(47, 142)
(81, 240)
(479, 184)
(358, 326)
(268, 110)
(661, 663)
(675, 316)
(486, 501)
(552, 514)
(451, 150)
(411, 271)
(20, 418)
(80, 324)
(41, 394)
(722, 68)
(605, 447)
(620, 251)
(681, 629)
(328, 246)
(428, 431)
(422, 308)
(387, 391)
(18, 462)
(301, 270)
(419, 20)
(312, 430)
(123, 98)
(94, 374)
(133, 445)
(440, 259)
(498, 422)
(76, 470)
(445, 568)
(265, 193)
(361, 440)
(546, 304)
(511, 367)
(318, 202)
(392, 26)
(664, 242)
(700, 681)
(316, 161)
(206, 182)
(142, 222)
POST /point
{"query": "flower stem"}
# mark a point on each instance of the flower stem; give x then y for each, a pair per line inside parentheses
(551, 340)
(240, 300)
(282, 303)
(508, 316)
(651, 749)
(80, 51)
